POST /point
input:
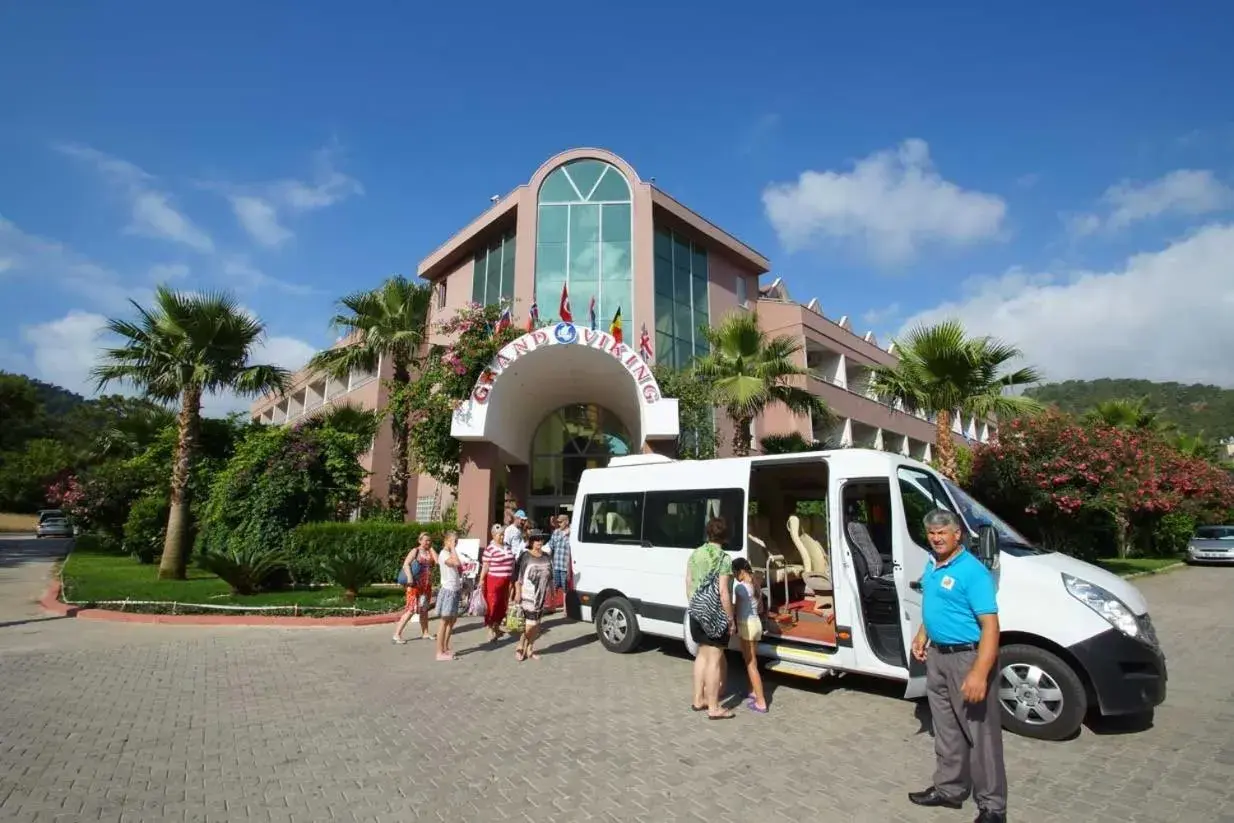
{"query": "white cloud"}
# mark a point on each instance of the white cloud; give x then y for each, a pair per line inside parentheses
(892, 204)
(246, 276)
(879, 317)
(63, 351)
(153, 214)
(289, 352)
(260, 219)
(1165, 315)
(167, 272)
(48, 263)
(259, 207)
(1186, 192)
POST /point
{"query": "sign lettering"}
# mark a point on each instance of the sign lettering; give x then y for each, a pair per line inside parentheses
(564, 334)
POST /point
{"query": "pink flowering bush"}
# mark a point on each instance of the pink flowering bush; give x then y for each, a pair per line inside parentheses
(1067, 482)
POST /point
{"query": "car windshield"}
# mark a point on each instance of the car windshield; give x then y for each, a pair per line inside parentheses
(977, 515)
(1215, 532)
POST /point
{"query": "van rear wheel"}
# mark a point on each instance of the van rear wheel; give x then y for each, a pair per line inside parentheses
(617, 625)
(1041, 696)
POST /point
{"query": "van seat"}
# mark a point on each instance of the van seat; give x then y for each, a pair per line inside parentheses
(817, 574)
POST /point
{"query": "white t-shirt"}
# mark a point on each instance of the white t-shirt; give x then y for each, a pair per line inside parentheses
(747, 606)
(514, 540)
(450, 579)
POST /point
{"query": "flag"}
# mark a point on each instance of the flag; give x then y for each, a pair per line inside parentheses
(505, 321)
(644, 345)
(591, 310)
(533, 317)
(564, 308)
(615, 328)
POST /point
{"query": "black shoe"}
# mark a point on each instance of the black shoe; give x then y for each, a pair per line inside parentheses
(991, 817)
(933, 797)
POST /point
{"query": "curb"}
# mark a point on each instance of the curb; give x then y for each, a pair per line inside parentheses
(1172, 567)
(51, 602)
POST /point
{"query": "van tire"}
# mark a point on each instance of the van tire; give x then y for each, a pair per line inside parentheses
(1017, 660)
(617, 625)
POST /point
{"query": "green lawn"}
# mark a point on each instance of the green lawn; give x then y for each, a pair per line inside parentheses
(92, 574)
(1137, 565)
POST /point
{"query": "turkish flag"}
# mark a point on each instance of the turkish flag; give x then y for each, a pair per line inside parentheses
(564, 309)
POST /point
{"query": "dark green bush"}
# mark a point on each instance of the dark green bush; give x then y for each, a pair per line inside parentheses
(146, 527)
(1172, 533)
(351, 569)
(311, 544)
(244, 568)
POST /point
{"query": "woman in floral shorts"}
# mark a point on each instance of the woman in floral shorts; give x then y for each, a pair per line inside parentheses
(419, 588)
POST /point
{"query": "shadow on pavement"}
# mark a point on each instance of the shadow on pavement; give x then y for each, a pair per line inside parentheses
(18, 550)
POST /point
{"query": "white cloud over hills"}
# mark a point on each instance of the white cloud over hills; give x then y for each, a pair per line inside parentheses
(891, 205)
(1163, 315)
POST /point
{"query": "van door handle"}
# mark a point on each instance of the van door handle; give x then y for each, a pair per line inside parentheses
(915, 585)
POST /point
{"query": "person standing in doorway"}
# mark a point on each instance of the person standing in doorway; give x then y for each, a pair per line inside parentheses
(559, 548)
(496, 570)
(516, 534)
(707, 561)
(958, 642)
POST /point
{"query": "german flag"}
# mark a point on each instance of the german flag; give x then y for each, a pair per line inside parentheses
(615, 327)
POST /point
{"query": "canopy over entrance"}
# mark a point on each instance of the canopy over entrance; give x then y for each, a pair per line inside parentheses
(549, 368)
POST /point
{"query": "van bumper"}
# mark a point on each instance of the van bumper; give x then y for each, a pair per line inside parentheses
(1128, 675)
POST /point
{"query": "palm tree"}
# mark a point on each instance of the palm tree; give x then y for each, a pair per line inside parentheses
(791, 443)
(387, 323)
(1198, 446)
(942, 370)
(1128, 414)
(186, 346)
(748, 370)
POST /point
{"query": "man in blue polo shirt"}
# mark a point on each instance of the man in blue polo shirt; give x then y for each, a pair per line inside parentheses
(958, 642)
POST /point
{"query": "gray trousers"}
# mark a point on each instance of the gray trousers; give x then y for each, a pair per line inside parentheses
(968, 737)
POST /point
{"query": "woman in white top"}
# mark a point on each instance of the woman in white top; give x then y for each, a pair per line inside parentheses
(448, 594)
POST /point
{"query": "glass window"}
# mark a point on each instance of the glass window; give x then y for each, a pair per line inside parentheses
(742, 297)
(920, 493)
(678, 519)
(680, 277)
(612, 518)
(583, 244)
(664, 246)
(426, 509)
(479, 278)
(507, 268)
(441, 295)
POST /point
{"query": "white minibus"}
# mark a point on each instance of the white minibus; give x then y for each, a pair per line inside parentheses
(838, 539)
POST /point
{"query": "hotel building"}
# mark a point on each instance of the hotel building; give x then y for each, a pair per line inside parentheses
(566, 397)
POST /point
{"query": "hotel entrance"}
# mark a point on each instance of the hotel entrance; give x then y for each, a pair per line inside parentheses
(567, 442)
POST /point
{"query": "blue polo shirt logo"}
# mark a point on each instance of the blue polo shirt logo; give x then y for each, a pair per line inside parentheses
(954, 595)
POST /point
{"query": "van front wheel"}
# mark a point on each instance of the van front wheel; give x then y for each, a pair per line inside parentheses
(1040, 695)
(617, 626)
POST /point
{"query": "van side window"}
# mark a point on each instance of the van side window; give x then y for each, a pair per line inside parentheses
(678, 519)
(612, 518)
(921, 493)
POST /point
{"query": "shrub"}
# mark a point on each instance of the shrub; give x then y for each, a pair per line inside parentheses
(146, 527)
(1172, 533)
(244, 568)
(351, 569)
(310, 544)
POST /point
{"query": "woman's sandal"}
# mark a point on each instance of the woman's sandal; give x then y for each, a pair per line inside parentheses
(518, 655)
(725, 716)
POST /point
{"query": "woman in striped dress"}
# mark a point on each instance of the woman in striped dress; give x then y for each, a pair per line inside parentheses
(496, 574)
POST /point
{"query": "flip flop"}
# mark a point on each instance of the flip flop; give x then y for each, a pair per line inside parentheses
(725, 716)
(398, 641)
(752, 706)
(694, 708)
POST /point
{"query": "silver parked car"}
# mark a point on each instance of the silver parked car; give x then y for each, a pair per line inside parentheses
(1211, 544)
(55, 527)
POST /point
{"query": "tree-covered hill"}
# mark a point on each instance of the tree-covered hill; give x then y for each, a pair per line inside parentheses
(1194, 409)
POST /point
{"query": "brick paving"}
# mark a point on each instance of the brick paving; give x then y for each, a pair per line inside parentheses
(134, 722)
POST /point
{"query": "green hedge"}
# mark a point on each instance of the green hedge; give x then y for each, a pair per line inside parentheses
(311, 543)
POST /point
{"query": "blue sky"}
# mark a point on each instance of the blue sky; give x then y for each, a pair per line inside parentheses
(1058, 176)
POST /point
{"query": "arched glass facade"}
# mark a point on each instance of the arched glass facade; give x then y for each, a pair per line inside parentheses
(571, 439)
(583, 238)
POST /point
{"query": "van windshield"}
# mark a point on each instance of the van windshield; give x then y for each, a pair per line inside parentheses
(976, 515)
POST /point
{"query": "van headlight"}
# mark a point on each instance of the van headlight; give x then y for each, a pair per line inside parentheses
(1103, 603)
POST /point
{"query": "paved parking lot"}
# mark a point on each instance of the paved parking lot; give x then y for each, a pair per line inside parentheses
(126, 722)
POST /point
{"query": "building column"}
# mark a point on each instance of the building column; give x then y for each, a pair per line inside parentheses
(477, 485)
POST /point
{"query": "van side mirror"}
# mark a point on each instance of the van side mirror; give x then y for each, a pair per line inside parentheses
(987, 545)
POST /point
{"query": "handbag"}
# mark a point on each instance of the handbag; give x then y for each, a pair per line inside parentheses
(515, 622)
(415, 574)
(706, 609)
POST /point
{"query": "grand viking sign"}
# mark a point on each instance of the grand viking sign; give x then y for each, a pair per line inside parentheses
(566, 334)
